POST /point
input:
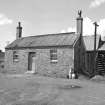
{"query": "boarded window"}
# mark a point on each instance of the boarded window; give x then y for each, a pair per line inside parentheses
(15, 56)
(53, 56)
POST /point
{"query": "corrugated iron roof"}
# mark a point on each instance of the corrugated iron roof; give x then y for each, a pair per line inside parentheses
(89, 42)
(102, 48)
(59, 39)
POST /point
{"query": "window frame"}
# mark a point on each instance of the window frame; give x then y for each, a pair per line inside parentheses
(53, 56)
(15, 56)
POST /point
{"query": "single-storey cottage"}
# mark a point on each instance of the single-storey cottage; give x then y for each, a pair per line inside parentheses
(51, 54)
(56, 54)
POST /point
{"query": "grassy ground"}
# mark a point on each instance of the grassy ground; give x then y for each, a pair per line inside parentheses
(38, 90)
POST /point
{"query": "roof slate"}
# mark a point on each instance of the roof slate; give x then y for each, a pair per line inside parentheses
(89, 42)
(60, 39)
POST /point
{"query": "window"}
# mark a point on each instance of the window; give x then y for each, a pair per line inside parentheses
(53, 55)
(15, 56)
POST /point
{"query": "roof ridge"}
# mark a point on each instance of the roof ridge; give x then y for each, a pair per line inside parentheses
(91, 35)
(42, 35)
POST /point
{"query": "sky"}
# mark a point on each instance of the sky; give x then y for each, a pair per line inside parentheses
(48, 16)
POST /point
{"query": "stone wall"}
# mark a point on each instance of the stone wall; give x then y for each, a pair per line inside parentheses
(16, 67)
(43, 63)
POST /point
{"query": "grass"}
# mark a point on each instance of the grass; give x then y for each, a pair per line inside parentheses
(39, 90)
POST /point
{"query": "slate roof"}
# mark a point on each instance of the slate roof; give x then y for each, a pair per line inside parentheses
(59, 39)
(89, 42)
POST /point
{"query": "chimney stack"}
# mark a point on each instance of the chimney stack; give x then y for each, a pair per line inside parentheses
(80, 23)
(19, 31)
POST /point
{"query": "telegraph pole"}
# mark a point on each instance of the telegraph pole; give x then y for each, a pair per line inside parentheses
(95, 39)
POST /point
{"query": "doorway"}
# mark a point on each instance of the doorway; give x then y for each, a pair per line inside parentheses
(32, 62)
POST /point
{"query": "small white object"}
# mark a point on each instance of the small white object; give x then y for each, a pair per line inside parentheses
(71, 74)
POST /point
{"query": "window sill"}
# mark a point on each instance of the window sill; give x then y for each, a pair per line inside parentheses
(15, 61)
(54, 61)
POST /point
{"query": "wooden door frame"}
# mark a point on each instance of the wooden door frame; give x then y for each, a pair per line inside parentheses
(30, 60)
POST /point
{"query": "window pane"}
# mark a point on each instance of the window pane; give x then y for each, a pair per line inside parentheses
(53, 55)
(15, 56)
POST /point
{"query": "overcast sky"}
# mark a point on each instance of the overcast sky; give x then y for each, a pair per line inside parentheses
(48, 16)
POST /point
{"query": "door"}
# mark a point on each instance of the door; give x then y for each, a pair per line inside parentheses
(31, 61)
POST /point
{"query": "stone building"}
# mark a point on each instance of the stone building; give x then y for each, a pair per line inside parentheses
(55, 54)
(51, 54)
